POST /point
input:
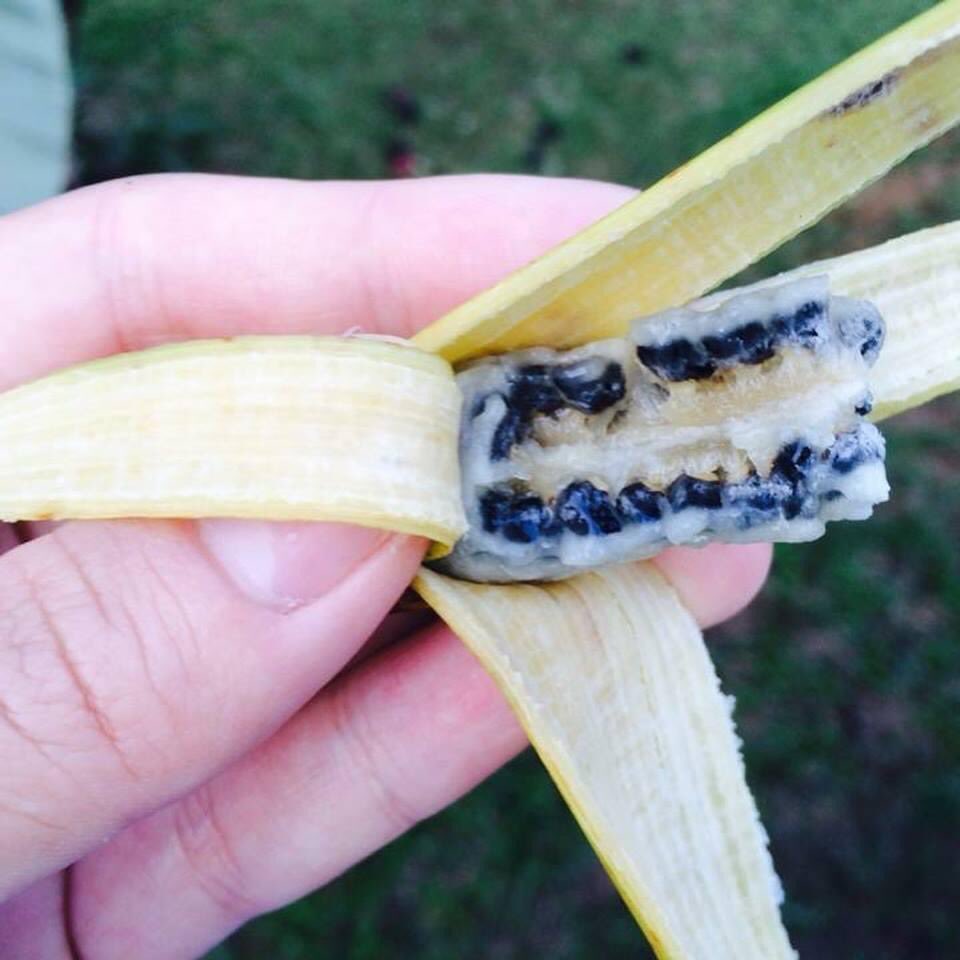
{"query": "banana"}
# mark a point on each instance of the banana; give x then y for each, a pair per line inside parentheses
(740, 421)
(607, 671)
(268, 426)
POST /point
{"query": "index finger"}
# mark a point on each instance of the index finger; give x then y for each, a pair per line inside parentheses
(136, 262)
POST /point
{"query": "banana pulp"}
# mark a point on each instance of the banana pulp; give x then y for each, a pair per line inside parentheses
(739, 421)
(606, 671)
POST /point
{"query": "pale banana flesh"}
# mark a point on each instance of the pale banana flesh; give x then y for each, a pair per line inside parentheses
(738, 423)
(607, 672)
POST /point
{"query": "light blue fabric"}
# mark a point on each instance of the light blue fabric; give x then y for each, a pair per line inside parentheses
(36, 102)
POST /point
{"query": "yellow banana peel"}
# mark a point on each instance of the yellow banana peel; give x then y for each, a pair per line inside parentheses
(735, 202)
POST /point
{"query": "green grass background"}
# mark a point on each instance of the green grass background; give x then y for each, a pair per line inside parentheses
(847, 670)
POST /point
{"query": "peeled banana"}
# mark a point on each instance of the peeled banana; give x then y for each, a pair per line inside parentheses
(741, 421)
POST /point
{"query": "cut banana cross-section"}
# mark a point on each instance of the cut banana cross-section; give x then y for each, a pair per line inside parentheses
(741, 421)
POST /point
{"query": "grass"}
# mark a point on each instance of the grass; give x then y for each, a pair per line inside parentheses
(847, 670)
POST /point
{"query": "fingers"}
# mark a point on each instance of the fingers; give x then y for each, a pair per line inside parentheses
(140, 660)
(31, 923)
(132, 263)
(387, 745)
(124, 645)
(716, 581)
(137, 661)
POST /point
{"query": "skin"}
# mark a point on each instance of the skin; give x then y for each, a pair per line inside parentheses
(195, 724)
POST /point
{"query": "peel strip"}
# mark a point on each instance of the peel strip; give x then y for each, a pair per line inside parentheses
(915, 283)
(280, 428)
(594, 668)
(735, 202)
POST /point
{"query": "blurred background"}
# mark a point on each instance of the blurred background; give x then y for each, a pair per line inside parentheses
(846, 670)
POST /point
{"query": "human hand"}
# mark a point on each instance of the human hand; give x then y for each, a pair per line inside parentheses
(194, 726)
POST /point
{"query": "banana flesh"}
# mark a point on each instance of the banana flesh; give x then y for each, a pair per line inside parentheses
(741, 421)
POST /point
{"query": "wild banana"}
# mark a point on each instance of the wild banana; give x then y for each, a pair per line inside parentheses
(607, 672)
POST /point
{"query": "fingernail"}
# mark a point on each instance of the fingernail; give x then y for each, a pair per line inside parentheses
(288, 565)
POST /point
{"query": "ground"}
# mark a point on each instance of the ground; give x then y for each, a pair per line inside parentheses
(847, 670)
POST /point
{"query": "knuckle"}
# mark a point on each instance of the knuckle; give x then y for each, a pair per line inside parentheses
(88, 652)
(211, 856)
(373, 765)
(123, 260)
(58, 625)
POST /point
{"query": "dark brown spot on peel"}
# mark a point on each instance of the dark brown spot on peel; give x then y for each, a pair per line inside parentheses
(866, 95)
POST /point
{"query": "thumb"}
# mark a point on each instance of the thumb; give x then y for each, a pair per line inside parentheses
(287, 565)
(139, 658)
